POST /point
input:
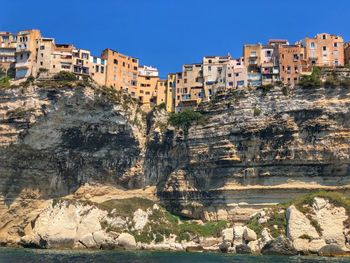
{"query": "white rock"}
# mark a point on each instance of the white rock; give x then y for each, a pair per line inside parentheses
(227, 235)
(155, 207)
(238, 231)
(126, 240)
(299, 225)
(140, 219)
(249, 235)
(330, 219)
(255, 246)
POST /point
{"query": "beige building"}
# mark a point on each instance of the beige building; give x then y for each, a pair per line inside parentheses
(324, 50)
(170, 92)
(122, 70)
(189, 87)
(26, 53)
(252, 54)
(146, 88)
(8, 43)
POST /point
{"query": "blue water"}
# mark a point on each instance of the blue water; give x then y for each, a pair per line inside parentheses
(9, 255)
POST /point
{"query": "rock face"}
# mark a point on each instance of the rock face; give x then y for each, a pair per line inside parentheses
(279, 246)
(239, 161)
(53, 140)
(252, 149)
(299, 225)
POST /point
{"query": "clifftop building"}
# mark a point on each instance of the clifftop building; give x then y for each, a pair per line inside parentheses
(122, 70)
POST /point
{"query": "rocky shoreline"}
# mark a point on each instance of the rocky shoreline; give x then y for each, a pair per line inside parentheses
(310, 226)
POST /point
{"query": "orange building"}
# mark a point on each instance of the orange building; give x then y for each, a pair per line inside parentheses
(292, 63)
(121, 71)
(324, 50)
(347, 53)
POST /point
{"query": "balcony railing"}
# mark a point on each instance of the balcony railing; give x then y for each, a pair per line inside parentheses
(22, 65)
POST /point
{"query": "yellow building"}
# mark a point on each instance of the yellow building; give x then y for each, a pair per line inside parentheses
(170, 92)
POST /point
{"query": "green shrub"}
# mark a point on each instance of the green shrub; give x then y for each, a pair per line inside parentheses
(312, 81)
(161, 106)
(185, 119)
(285, 90)
(65, 75)
(5, 82)
(257, 112)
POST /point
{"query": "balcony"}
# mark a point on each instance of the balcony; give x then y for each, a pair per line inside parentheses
(22, 64)
(22, 48)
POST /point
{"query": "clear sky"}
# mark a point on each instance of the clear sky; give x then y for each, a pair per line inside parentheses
(169, 33)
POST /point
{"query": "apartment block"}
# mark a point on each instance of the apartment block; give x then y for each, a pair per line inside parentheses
(189, 87)
(324, 50)
(8, 43)
(26, 53)
(145, 91)
(252, 57)
(122, 70)
(292, 63)
(240, 75)
(347, 53)
(160, 93)
(171, 92)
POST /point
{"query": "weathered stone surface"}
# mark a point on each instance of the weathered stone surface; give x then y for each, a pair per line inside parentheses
(331, 220)
(307, 246)
(140, 219)
(126, 241)
(298, 225)
(227, 235)
(243, 249)
(279, 246)
(238, 231)
(331, 251)
(249, 235)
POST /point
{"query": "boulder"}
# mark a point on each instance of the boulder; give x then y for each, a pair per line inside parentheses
(330, 218)
(299, 225)
(88, 241)
(238, 231)
(126, 240)
(224, 247)
(255, 246)
(140, 219)
(243, 249)
(306, 246)
(249, 235)
(265, 236)
(279, 246)
(331, 251)
(227, 235)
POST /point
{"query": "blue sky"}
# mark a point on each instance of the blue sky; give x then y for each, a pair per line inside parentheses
(169, 33)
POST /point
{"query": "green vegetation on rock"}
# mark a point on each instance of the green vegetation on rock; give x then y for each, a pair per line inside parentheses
(185, 119)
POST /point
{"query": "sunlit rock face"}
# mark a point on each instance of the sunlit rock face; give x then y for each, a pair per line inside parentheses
(255, 148)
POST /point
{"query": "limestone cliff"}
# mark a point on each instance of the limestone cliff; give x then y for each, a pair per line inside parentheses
(255, 148)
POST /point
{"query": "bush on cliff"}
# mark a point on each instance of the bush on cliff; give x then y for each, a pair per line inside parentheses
(65, 75)
(5, 82)
(185, 119)
(311, 81)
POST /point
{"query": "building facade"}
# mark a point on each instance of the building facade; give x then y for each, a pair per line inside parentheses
(324, 50)
(122, 70)
(8, 43)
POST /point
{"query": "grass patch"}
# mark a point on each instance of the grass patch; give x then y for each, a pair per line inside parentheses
(126, 207)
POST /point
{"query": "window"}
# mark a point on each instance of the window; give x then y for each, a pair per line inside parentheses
(324, 37)
(295, 57)
(210, 61)
(97, 68)
(115, 61)
(42, 55)
(102, 69)
(123, 64)
(185, 80)
(229, 75)
(335, 44)
(209, 68)
(268, 53)
(324, 48)
(237, 74)
(148, 93)
(312, 45)
(42, 47)
(41, 63)
(230, 83)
